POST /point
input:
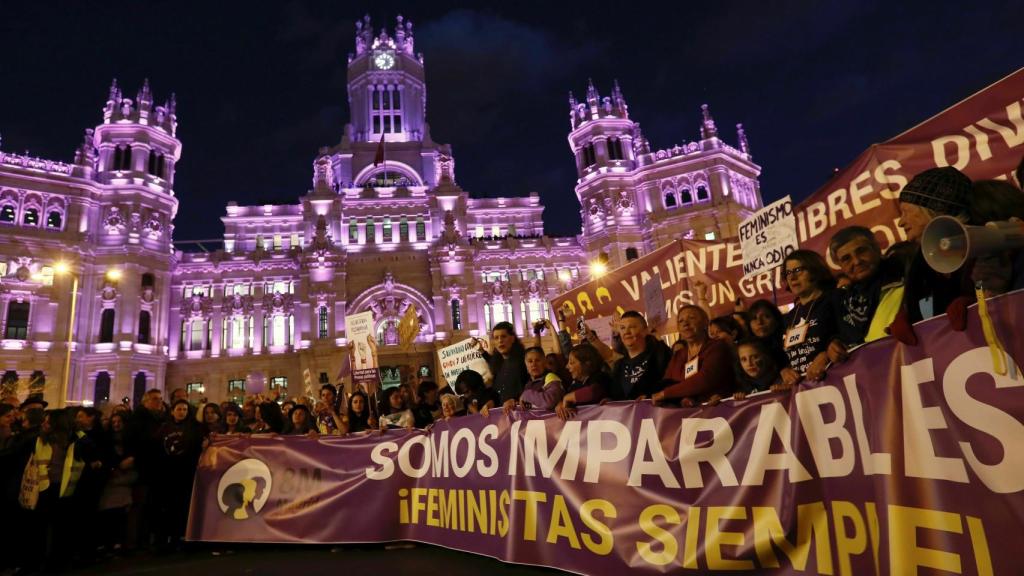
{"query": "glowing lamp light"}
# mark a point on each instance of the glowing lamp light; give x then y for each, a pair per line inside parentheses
(599, 266)
(114, 274)
(564, 276)
(61, 267)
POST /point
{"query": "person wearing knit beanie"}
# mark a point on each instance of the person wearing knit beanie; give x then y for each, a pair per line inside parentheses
(932, 193)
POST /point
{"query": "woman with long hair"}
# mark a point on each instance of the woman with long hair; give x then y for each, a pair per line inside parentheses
(590, 382)
(767, 325)
(394, 411)
(506, 361)
(234, 422)
(302, 421)
(358, 416)
(269, 419)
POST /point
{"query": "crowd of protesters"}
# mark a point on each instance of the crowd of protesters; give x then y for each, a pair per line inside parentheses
(78, 482)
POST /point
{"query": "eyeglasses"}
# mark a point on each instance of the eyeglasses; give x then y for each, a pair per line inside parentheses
(793, 272)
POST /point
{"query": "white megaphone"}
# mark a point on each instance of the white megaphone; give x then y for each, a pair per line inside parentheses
(947, 243)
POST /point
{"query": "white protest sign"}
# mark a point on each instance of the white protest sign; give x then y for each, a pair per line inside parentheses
(359, 329)
(462, 356)
(767, 237)
(654, 302)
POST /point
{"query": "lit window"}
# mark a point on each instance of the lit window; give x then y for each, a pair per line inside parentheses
(479, 231)
(196, 334)
(46, 275)
(194, 388)
(236, 391)
(259, 242)
(387, 230)
(421, 229)
(403, 230)
(353, 231)
(323, 319)
(456, 315)
(709, 236)
(17, 321)
(495, 231)
(278, 242)
(280, 383)
(371, 231)
(296, 241)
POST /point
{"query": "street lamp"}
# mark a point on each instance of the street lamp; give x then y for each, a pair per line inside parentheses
(63, 268)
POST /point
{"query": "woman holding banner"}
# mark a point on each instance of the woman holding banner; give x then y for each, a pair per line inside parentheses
(590, 383)
(812, 323)
(701, 370)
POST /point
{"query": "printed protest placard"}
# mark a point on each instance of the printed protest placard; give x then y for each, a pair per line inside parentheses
(461, 356)
(767, 237)
(359, 329)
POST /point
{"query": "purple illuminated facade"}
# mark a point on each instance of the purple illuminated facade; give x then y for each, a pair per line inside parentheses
(369, 236)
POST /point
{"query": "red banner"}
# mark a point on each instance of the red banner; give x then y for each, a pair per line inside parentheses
(983, 136)
(904, 457)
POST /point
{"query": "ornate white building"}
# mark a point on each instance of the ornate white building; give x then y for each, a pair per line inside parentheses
(373, 234)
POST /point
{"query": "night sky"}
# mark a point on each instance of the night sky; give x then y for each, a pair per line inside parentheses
(261, 87)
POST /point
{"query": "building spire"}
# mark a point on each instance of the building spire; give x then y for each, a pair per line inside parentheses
(115, 92)
(619, 100)
(592, 96)
(741, 135)
(707, 129)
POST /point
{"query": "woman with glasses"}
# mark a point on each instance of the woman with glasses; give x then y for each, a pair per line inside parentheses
(811, 324)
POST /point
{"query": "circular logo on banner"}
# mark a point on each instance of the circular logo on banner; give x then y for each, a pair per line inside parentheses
(243, 488)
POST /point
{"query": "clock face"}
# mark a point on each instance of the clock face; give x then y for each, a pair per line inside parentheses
(384, 60)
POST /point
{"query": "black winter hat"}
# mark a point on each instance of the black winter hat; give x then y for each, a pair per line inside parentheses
(945, 190)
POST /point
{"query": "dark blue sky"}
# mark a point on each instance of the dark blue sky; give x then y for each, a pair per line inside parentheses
(261, 88)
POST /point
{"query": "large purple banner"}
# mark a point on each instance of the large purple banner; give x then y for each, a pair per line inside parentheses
(903, 459)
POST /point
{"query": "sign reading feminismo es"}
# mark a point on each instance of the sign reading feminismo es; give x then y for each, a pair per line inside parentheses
(903, 457)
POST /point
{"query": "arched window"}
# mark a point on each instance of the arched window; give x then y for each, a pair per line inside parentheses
(403, 230)
(7, 214)
(138, 388)
(107, 325)
(17, 321)
(31, 217)
(670, 199)
(101, 391)
(196, 334)
(54, 219)
(456, 314)
(371, 230)
(687, 196)
(386, 230)
(631, 254)
(144, 319)
(702, 193)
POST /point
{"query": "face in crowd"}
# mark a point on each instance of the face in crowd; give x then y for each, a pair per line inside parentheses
(180, 412)
(762, 323)
(502, 340)
(536, 363)
(633, 333)
(859, 259)
(575, 368)
(448, 406)
(914, 219)
(231, 418)
(327, 396)
(358, 404)
(210, 415)
(753, 360)
(395, 399)
(154, 402)
(692, 324)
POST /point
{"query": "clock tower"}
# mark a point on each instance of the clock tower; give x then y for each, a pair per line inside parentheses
(386, 91)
